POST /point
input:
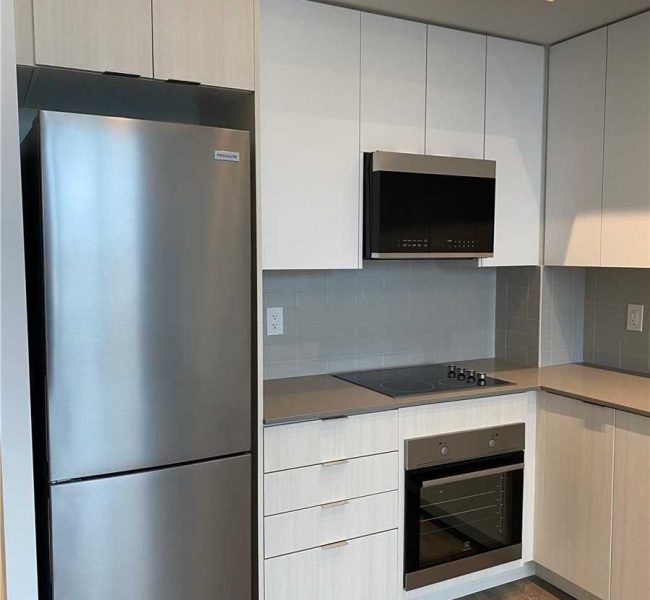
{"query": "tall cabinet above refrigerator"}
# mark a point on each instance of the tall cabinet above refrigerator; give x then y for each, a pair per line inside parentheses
(138, 251)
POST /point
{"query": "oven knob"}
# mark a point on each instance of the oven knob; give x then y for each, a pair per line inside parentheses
(452, 371)
(461, 373)
(471, 375)
(481, 378)
(492, 443)
(444, 450)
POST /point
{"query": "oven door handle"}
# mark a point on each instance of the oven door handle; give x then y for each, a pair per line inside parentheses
(472, 475)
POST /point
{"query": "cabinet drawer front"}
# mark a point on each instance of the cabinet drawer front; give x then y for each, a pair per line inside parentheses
(319, 484)
(362, 569)
(311, 527)
(301, 444)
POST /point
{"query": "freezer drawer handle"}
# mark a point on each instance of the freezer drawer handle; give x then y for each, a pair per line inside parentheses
(335, 545)
(333, 463)
(335, 504)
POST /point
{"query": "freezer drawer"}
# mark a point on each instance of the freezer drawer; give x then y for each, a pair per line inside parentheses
(147, 271)
(170, 534)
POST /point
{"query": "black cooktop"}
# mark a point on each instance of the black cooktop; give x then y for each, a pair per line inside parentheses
(422, 379)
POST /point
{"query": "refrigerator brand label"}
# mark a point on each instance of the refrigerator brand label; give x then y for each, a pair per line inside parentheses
(226, 155)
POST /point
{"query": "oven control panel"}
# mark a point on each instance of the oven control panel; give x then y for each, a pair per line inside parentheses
(464, 445)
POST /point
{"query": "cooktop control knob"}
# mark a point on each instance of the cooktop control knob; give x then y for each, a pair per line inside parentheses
(492, 443)
(460, 373)
(452, 371)
(471, 375)
(481, 378)
(444, 450)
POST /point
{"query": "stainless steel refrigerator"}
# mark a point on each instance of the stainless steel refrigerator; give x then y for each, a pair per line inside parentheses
(138, 252)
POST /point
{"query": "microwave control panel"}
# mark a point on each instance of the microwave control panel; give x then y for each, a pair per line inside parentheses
(413, 244)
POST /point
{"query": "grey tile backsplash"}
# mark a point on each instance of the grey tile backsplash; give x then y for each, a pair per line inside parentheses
(563, 310)
(606, 339)
(517, 315)
(387, 314)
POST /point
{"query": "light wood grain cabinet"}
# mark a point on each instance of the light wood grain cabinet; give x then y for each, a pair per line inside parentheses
(576, 127)
(204, 41)
(320, 525)
(309, 135)
(455, 93)
(295, 489)
(575, 456)
(312, 442)
(514, 124)
(393, 84)
(94, 35)
(360, 569)
(626, 182)
(631, 525)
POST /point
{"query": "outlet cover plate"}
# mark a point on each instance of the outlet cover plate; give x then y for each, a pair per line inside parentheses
(275, 320)
(635, 317)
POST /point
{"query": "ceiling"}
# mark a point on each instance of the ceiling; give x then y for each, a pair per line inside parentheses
(539, 21)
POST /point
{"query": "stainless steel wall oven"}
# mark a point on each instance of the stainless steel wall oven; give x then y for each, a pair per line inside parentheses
(464, 501)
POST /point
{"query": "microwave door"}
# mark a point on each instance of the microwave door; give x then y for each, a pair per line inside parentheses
(462, 216)
(405, 212)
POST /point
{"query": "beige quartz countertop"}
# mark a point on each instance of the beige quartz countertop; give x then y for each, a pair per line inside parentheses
(323, 396)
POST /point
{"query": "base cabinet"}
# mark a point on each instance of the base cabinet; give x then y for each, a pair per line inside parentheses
(575, 456)
(631, 525)
(360, 569)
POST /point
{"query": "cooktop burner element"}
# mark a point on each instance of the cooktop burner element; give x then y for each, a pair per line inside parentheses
(422, 379)
(404, 385)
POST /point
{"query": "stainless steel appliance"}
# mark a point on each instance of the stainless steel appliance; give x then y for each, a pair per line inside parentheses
(464, 501)
(421, 379)
(138, 247)
(418, 206)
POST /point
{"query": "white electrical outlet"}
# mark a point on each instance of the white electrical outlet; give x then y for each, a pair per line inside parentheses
(635, 317)
(275, 321)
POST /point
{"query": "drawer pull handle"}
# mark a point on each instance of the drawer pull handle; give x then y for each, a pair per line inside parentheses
(335, 418)
(333, 463)
(335, 504)
(335, 545)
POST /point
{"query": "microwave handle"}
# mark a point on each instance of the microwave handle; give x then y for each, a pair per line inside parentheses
(472, 475)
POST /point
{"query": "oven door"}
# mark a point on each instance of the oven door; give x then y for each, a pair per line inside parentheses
(462, 517)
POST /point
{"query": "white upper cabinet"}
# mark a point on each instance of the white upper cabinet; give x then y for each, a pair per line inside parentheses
(309, 135)
(455, 124)
(574, 176)
(393, 82)
(626, 182)
(94, 35)
(514, 122)
(204, 41)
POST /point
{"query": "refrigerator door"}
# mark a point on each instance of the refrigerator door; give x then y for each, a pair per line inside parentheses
(147, 260)
(169, 534)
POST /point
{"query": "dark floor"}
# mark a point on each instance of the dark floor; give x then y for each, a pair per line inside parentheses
(531, 588)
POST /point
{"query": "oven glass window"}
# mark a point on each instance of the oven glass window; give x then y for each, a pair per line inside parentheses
(452, 517)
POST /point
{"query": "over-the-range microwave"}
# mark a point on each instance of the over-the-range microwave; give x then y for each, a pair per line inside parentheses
(418, 206)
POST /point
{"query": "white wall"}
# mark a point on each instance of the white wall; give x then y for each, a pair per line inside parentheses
(15, 432)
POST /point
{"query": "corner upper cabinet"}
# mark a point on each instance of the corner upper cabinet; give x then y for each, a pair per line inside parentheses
(626, 181)
(574, 176)
(204, 41)
(94, 35)
(393, 84)
(455, 124)
(309, 135)
(514, 123)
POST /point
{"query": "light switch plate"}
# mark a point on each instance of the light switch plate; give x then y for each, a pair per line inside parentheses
(275, 320)
(635, 317)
